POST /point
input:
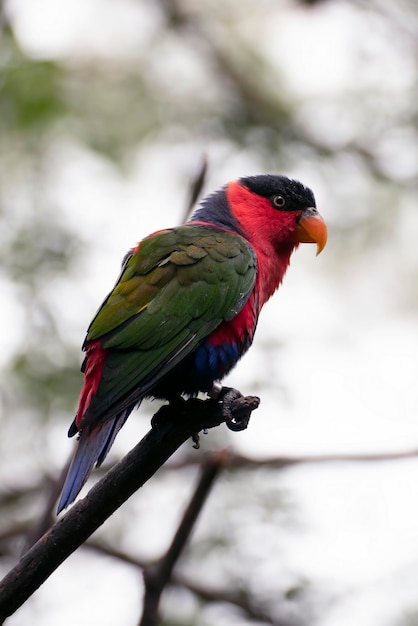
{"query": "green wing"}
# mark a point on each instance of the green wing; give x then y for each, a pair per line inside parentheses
(175, 289)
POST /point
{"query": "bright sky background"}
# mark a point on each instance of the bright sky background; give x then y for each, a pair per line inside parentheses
(349, 364)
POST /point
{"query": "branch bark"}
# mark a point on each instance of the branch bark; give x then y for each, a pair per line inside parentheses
(172, 426)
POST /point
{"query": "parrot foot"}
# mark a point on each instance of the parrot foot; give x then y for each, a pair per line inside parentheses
(236, 408)
(230, 406)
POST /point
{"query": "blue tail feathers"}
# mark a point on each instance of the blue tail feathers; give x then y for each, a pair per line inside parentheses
(92, 447)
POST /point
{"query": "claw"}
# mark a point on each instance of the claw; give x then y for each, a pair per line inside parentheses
(236, 425)
(237, 409)
(229, 406)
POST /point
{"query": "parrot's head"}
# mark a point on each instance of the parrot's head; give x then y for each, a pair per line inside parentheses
(273, 212)
(276, 209)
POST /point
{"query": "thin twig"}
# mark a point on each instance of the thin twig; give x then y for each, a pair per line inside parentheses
(241, 461)
(196, 186)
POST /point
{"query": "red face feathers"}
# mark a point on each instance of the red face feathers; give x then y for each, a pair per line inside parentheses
(266, 209)
(274, 214)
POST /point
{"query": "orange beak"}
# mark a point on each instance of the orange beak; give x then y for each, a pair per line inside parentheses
(311, 228)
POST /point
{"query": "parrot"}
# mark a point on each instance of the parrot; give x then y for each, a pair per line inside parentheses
(185, 307)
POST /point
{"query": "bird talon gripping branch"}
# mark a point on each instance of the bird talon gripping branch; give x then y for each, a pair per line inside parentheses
(185, 308)
(237, 409)
(238, 425)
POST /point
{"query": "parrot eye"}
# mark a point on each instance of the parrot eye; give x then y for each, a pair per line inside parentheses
(278, 202)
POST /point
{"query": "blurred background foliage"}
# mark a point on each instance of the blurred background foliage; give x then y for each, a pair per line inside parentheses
(100, 128)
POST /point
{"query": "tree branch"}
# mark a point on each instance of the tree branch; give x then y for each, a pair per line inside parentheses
(242, 601)
(172, 426)
(157, 575)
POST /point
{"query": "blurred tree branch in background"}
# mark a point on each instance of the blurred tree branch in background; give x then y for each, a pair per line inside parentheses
(158, 574)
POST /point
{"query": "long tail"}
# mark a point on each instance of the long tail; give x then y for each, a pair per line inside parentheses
(92, 447)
